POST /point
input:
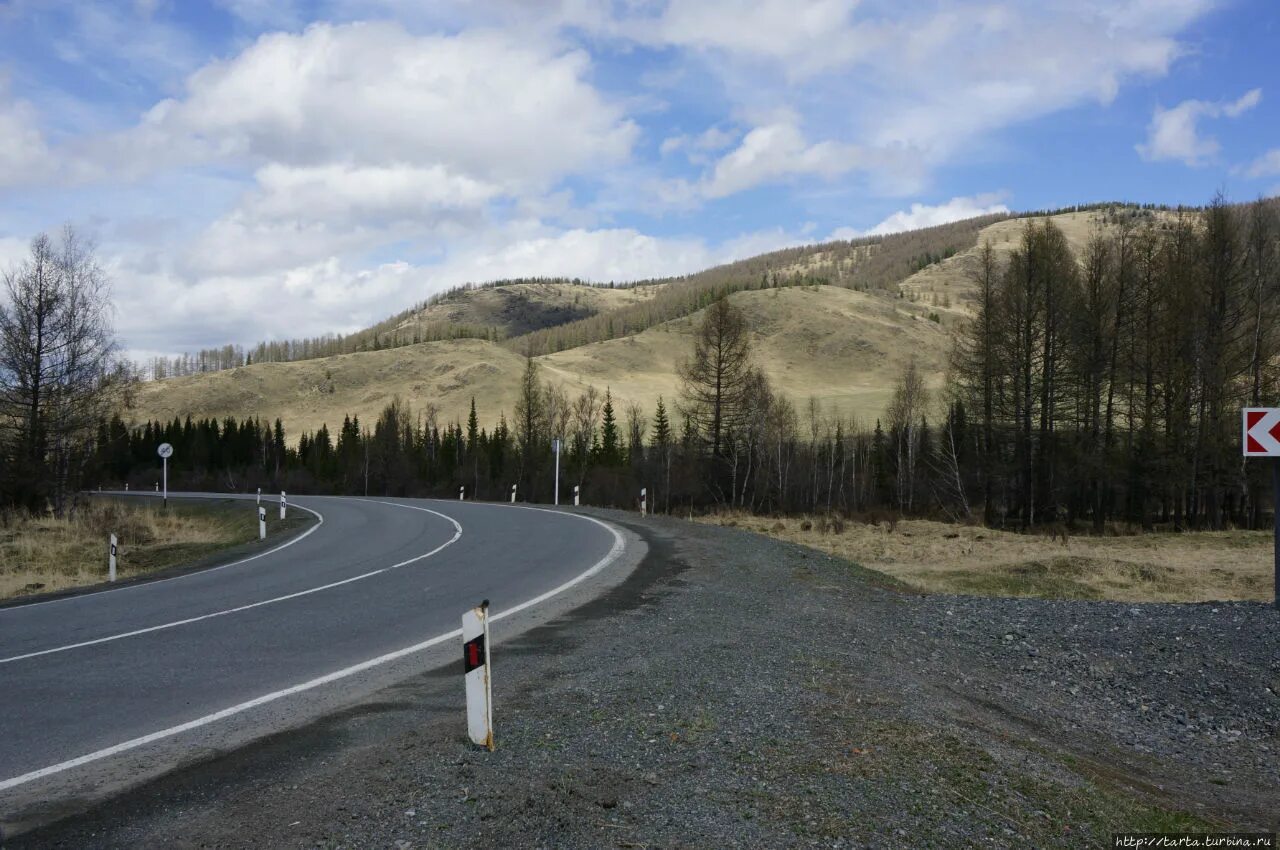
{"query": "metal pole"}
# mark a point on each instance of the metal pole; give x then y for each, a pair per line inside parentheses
(166, 482)
(556, 499)
(1275, 511)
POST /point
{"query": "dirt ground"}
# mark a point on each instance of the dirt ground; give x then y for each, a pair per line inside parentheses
(945, 558)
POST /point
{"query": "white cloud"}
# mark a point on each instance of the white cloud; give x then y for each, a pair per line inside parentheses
(924, 215)
(1174, 133)
(486, 104)
(1267, 165)
(775, 152)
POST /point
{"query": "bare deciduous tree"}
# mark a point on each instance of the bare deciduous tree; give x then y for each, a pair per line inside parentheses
(59, 370)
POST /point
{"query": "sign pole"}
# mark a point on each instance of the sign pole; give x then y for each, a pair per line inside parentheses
(1261, 438)
(165, 450)
(1275, 511)
(556, 445)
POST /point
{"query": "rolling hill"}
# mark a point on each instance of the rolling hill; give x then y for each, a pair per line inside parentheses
(841, 344)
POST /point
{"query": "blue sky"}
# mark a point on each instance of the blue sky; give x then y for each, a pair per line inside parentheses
(256, 169)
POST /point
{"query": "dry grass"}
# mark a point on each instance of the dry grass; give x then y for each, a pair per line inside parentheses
(43, 554)
(943, 558)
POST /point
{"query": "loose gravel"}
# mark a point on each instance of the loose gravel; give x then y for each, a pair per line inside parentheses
(742, 692)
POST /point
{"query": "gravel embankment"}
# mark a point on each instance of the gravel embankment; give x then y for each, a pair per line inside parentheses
(738, 691)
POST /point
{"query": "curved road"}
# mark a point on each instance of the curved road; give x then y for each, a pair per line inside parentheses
(88, 677)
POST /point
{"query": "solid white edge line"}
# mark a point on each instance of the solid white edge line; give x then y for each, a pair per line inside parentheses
(618, 546)
(161, 627)
(80, 597)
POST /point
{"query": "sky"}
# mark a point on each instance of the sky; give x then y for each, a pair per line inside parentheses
(272, 169)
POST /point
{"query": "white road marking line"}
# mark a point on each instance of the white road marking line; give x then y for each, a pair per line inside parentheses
(79, 597)
(122, 635)
(614, 552)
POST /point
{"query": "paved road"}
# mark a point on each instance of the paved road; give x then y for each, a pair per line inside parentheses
(88, 677)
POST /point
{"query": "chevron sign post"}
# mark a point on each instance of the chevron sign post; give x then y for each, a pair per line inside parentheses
(1261, 427)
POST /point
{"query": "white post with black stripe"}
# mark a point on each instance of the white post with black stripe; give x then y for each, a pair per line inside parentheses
(576, 494)
(111, 559)
(644, 501)
(513, 494)
(475, 667)
(262, 523)
(259, 495)
(462, 493)
(284, 504)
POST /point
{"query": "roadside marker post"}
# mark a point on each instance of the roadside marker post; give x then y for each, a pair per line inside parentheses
(513, 494)
(111, 559)
(555, 446)
(262, 523)
(475, 671)
(259, 495)
(284, 504)
(1261, 438)
(644, 501)
(462, 493)
(576, 494)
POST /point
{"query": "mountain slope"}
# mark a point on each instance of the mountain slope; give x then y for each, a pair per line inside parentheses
(842, 345)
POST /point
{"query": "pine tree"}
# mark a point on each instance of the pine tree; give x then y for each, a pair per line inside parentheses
(473, 427)
(610, 451)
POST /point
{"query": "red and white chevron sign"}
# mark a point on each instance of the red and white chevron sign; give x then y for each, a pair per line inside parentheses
(1262, 432)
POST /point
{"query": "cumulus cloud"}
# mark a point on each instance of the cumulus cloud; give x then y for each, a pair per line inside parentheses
(924, 215)
(778, 151)
(1174, 133)
(486, 103)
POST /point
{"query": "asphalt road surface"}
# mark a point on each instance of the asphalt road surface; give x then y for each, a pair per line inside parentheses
(107, 677)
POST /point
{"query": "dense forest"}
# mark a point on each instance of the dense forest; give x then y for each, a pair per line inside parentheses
(1086, 391)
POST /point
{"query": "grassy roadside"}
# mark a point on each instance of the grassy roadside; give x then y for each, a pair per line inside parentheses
(45, 554)
(944, 558)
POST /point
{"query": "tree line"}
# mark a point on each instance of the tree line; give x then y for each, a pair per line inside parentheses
(1109, 386)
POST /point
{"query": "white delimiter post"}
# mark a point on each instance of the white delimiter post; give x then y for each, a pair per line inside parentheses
(513, 494)
(111, 560)
(644, 499)
(555, 444)
(262, 523)
(475, 669)
(462, 493)
(575, 495)
(259, 495)
(284, 504)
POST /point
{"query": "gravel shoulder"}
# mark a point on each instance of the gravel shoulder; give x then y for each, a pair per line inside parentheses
(741, 691)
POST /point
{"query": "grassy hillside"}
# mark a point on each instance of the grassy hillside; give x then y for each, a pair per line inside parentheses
(837, 345)
(843, 344)
(518, 309)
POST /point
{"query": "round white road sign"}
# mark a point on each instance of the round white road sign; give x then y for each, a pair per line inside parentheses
(165, 450)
